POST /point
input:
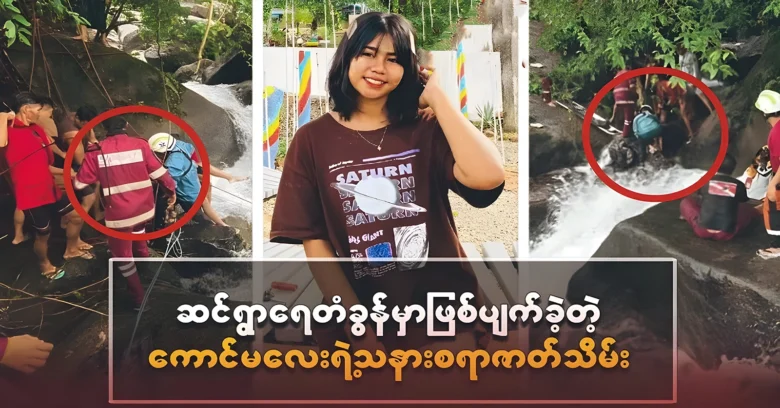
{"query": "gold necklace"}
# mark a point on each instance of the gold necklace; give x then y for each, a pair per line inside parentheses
(378, 146)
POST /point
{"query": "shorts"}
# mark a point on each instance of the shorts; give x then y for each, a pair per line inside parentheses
(80, 194)
(40, 217)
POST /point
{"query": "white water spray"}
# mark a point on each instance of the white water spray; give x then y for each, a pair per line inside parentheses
(587, 209)
(232, 199)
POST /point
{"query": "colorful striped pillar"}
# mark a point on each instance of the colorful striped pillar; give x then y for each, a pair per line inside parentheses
(274, 98)
(304, 90)
(462, 79)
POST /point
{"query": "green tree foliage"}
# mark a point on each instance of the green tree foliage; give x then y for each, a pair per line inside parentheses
(599, 37)
(15, 17)
(437, 27)
(171, 19)
(231, 27)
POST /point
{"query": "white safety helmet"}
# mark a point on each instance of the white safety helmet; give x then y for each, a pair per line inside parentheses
(768, 102)
(162, 142)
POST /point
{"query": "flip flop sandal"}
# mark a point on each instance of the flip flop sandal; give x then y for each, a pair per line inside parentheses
(56, 275)
(86, 255)
(766, 255)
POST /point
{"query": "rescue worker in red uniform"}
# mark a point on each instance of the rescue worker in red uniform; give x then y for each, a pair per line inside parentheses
(625, 102)
(125, 167)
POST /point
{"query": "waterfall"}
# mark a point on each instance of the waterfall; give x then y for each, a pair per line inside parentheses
(232, 199)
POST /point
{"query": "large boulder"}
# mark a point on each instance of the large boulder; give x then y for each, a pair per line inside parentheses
(748, 130)
(558, 144)
(244, 92)
(191, 72)
(129, 82)
(173, 57)
(235, 69)
(129, 37)
(728, 299)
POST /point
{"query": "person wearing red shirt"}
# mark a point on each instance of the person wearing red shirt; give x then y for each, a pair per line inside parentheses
(125, 167)
(670, 96)
(768, 103)
(30, 158)
(625, 102)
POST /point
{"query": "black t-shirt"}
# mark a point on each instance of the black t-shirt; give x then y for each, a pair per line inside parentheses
(720, 203)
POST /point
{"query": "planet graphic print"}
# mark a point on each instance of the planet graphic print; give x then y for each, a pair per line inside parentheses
(377, 196)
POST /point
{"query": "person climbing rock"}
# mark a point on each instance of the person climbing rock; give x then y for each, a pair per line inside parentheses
(719, 211)
(768, 103)
(125, 168)
(625, 102)
(30, 160)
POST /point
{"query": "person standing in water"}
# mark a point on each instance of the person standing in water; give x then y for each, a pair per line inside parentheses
(768, 103)
(370, 181)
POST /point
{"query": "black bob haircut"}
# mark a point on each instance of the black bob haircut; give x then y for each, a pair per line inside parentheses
(403, 101)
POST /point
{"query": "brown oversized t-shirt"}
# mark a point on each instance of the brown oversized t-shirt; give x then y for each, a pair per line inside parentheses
(372, 204)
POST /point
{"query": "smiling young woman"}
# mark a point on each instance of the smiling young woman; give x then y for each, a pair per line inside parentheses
(370, 181)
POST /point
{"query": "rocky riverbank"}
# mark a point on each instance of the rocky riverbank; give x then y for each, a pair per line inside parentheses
(728, 299)
(72, 312)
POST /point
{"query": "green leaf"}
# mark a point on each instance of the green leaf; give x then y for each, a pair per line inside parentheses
(10, 31)
(23, 39)
(21, 20)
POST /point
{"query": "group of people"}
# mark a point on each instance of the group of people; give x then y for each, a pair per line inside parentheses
(656, 107)
(114, 179)
(721, 209)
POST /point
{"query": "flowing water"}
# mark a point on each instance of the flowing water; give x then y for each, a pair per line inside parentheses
(586, 212)
(232, 199)
(587, 209)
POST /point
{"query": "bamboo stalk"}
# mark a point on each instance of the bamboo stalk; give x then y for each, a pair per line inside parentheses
(205, 36)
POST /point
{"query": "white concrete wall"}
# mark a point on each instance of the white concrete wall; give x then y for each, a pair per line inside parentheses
(477, 38)
(483, 74)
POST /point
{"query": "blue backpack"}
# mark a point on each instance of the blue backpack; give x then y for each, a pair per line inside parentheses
(646, 126)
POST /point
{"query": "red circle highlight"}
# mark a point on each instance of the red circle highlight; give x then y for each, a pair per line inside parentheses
(655, 198)
(148, 236)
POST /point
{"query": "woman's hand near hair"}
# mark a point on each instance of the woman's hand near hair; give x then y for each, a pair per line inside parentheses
(427, 113)
(478, 163)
